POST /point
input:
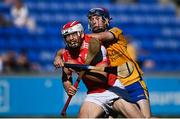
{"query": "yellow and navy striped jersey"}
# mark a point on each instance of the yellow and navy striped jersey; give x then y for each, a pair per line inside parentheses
(118, 55)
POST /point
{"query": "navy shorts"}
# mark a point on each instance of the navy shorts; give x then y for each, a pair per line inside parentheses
(137, 91)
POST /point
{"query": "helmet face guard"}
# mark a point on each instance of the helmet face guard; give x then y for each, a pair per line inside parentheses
(71, 28)
(98, 12)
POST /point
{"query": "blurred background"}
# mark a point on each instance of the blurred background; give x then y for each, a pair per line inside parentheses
(30, 37)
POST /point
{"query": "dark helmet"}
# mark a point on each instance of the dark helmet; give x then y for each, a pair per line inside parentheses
(100, 12)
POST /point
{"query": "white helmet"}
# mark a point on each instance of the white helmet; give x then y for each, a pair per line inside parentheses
(71, 27)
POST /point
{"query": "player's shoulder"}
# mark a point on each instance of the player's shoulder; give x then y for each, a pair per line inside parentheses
(116, 29)
(116, 32)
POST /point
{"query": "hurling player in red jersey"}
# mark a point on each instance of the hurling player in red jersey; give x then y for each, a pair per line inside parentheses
(101, 98)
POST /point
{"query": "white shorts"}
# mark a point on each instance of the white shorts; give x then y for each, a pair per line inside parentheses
(106, 98)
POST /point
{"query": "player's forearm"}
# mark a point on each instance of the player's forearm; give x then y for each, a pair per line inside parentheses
(95, 76)
(66, 79)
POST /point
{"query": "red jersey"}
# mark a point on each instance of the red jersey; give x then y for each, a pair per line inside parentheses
(92, 86)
